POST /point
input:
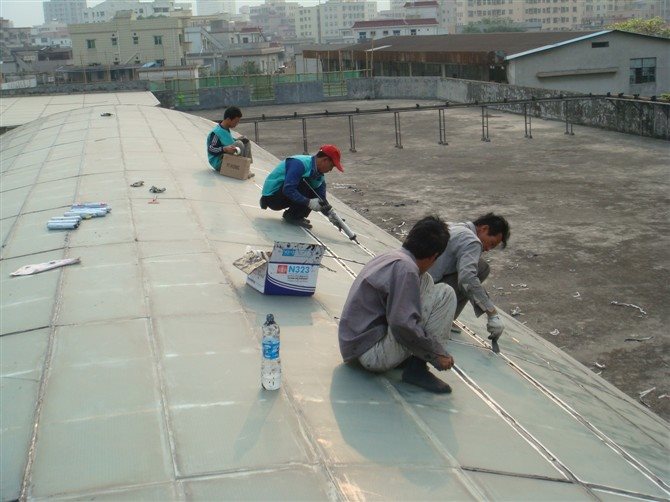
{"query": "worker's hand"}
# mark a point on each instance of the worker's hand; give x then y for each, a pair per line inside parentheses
(314, 204)
(495, 326)
(444, 362)
(326, 208)
(233, 150)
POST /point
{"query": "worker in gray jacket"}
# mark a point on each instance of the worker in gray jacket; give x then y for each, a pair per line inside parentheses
(462, 267)
(396, 313)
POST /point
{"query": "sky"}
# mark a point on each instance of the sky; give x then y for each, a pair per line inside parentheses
(30, 13)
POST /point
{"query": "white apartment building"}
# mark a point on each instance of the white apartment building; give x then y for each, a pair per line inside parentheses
(421, 10)
(64, 11)
(208, 7)
(127, 40)
(106, 10)
(275, 17)
(324, 23)
(51, 34)
(381, 28)
(442, 10)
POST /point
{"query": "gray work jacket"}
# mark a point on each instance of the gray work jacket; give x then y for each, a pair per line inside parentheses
(462, 256)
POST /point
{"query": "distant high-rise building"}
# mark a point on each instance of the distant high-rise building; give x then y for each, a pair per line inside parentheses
(208, 7)
(324, 22)
(64, 11)
(106, 10)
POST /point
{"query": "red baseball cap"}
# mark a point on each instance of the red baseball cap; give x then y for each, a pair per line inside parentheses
(333, 154)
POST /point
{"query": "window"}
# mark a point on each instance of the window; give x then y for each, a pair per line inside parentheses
(136, 40)
(90, 44)
(596, 45)
(412, 32)
(115, 41)
(158, 40)
(385, 32)
(642, 70)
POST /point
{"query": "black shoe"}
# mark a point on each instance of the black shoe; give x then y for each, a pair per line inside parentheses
(416, 373)
(300, 222)
(263, 204)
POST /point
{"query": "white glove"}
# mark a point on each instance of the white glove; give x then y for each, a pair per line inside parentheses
(314, 204)
(495, 326)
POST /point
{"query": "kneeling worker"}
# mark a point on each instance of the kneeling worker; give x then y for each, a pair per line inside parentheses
(394, 311)
(298, 184)
(220, 141)
(463, 268)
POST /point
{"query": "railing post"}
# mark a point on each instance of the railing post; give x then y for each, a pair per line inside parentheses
(527, 122)
(442, 126)
(485, 125)
(304, 137)
(567, 122)
(398, 134)
(256, 132)
(352, 135)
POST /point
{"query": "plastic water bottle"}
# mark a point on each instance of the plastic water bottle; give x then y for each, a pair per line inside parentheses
(271, 363)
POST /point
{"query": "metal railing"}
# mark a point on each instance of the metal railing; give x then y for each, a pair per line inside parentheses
(520, 106)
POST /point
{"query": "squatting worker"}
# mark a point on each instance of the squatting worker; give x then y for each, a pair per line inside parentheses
(462, 267)
(298, 184)
(220, 140)
(395, 313)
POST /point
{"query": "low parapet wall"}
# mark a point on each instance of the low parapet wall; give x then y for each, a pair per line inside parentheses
(128, 85)
(643, 118)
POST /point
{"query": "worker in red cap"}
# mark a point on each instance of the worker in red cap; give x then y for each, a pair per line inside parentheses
(298, 184)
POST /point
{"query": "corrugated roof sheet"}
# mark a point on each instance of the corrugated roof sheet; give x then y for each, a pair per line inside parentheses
(135, 374)
(509, 43)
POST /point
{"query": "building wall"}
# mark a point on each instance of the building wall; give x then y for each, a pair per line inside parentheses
(136, 42)
(106, 10)
(556, 14)
(306, 23)
(65, 11)
(644, 119)
(325, 22)
(354, 35)
(207, 7)
(581, 56)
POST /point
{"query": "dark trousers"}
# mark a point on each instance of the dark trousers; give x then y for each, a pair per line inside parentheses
(483, 270)
(278, 201)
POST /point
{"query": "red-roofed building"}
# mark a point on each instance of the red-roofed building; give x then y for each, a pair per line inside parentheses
(380, 28)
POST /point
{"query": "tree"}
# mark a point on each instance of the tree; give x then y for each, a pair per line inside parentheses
(492, 25)
(653, 26)
(247, 68)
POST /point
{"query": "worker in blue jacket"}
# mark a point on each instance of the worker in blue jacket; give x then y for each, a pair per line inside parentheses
(220, 140)
(298, 184)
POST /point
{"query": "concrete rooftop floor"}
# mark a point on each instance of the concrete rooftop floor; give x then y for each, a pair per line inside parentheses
(135, 374)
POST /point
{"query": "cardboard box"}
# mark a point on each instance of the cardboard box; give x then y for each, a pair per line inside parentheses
(235, 166)
(291, 268)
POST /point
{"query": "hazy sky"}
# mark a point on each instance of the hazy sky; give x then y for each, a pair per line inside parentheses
(30, 13)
